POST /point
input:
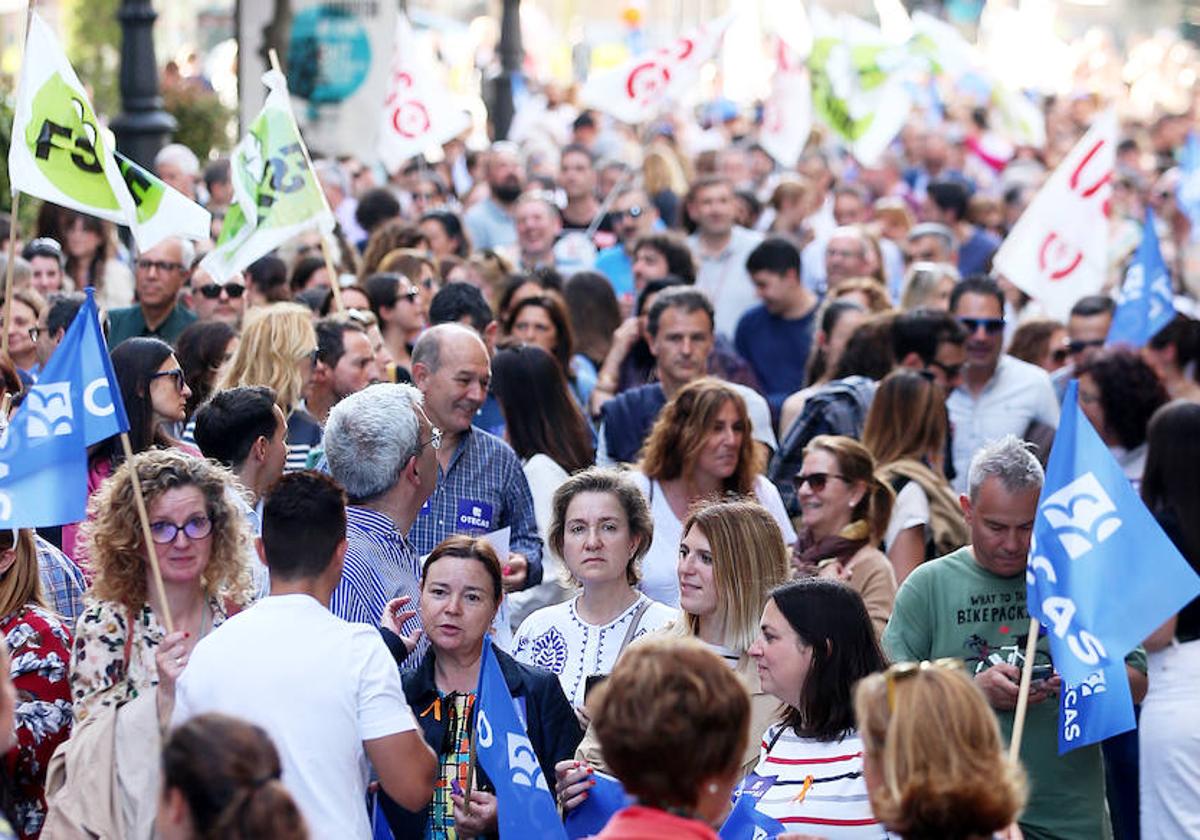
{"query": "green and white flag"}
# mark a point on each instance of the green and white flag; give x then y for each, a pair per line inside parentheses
(276, 194)
(60, 153)
(858, 87)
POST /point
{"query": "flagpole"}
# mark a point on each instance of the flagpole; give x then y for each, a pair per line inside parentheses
(1014, 746)
(16, 200)
(140, 501)
(334, 283)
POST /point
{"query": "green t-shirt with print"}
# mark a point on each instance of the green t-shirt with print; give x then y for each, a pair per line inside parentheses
(953, 607)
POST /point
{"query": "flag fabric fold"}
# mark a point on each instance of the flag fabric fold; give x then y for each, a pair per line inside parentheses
(1147, 300)
(276, 194)
(75, 403)
(524, 804)
(60, 153)
(787, 113)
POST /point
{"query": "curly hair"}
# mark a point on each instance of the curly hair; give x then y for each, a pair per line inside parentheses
(112, 534)
(1130, 393)
(275, 339)
(681, 430)
(941, 775)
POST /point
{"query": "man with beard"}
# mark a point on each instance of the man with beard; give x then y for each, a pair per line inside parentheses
(999, 395)
(490, 222)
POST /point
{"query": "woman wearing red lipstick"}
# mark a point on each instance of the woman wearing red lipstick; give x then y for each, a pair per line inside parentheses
(460, 594)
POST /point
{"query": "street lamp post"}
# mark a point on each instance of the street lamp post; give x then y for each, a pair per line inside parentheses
(511, 54)
(142, 128)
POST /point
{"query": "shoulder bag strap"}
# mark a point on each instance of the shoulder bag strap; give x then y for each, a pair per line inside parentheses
(633, 625)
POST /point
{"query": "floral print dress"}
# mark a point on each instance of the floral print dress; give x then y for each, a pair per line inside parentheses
(100, 676)
(39, 645)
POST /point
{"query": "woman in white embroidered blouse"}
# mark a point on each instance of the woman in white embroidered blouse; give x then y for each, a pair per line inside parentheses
(600, 527)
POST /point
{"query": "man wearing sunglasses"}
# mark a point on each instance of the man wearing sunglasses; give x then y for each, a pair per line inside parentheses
(213, 301)
(159, 275)
(999, 395)
(634, 216)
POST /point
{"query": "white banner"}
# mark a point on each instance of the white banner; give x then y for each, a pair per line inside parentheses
(787, 114)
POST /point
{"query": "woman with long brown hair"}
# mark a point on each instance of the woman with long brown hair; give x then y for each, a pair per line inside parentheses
(700, 447)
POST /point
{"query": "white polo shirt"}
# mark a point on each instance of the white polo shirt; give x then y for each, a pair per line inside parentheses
(1017, 395)
(318, 685)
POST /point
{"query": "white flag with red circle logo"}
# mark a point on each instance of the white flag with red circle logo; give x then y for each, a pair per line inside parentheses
(787, 114)
(1058, 250)
(419, 111)
(648, 84)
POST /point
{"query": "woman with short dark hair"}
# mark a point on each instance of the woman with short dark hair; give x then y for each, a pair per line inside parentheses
(1118, 393)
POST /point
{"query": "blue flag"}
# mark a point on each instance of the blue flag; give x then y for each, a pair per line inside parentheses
(1147, 301)
(43, 453)
(589, 817)
(524, 805)
(1095, 709)
(1188, 191)
(1102, 575)
(746, 822)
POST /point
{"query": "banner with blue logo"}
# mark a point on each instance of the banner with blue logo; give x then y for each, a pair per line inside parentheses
(1147, 300)
(524, 804)
(1095, 709)
(43, 453)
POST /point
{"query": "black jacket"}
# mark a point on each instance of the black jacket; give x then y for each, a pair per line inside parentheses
(553, 728)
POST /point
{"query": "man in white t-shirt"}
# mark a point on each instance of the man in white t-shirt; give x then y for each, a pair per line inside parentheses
(327, 691)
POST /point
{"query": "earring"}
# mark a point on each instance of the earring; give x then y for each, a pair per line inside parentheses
(712, 787)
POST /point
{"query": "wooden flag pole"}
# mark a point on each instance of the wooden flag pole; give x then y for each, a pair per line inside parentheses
(1014, 746)
(151, 552)
(8, 270)
(334, 284)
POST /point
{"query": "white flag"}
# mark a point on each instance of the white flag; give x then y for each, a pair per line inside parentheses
(59, 153)
(419, 111)
(1058, 250)
(646, 85)
(787, 114)
(858, 87)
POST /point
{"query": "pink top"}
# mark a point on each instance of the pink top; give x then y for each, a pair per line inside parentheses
(638, 822)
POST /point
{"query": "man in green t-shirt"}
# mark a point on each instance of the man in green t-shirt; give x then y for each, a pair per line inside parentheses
(971, 604)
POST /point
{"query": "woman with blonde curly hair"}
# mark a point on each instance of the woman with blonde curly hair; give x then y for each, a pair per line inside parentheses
(278, 349)
(121, 647)
(700, 447)
(939, 775)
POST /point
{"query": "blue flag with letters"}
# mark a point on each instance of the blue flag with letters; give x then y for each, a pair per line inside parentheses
(1095, 709)
(1147, 301)
(1102, 575)
(524, 805)
(43, 453)
(1188, 191)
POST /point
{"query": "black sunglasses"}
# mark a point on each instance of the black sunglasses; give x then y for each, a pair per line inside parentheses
(816, 480)
(952, 372)
(990, 325)
(1060, 355)
(212, 291)
(176, 374)
(1078, 346)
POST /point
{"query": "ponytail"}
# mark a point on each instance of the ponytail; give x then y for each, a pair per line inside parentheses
(876, 507)
(261, 808)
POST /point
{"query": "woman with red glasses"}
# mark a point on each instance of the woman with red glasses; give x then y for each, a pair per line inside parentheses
(845, 508)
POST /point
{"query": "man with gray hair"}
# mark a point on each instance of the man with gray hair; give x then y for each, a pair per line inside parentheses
(383, 450)
(176, 164)
(159, 274)
(970, 605)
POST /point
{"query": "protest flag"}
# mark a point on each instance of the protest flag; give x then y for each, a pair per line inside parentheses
(641, 88)
(1147, 301)
(59, 153)
(524, 805)
(745, 821)
(275, 192)
(787, 113)
(419, 110)
(1102, 575)
(604, 799)
(1058, 250)
(1188, 191)
(859, 86)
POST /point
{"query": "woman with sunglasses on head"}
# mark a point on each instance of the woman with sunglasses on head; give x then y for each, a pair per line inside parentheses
(155, 392)
(700, 448)
(906, 432)
(39, 642)
(279, 349)
(934, 762)
(816, 642)
(731, 556)
(200, 539)
(845, 509)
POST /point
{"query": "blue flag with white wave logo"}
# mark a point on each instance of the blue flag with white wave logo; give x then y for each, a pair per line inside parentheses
(43, 452)
(1147, 300)
(1097, 708)
(524, 804)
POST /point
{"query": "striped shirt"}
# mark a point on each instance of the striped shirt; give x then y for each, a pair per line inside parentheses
(381, 564)
(483, 490)
(303, 433)
(819, 787)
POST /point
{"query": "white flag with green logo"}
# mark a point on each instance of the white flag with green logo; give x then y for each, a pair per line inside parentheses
(276, 194)
(60, 153)
(858, 85)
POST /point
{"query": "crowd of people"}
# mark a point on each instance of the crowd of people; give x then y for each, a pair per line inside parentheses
(726, 453)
